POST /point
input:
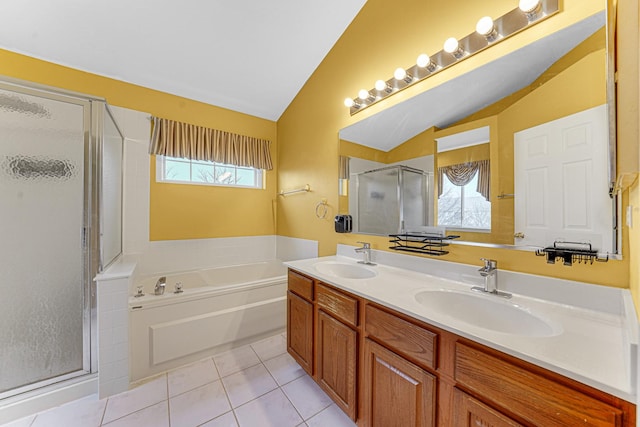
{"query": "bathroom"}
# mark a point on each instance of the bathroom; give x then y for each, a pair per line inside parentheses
(190, 227)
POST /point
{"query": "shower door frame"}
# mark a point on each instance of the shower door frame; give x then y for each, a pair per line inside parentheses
(400, 169)
(90, 226)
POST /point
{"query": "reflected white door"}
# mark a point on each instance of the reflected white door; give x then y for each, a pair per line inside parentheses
(561, 182)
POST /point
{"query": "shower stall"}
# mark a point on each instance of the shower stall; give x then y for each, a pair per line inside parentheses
(60, 224)
(391, 200)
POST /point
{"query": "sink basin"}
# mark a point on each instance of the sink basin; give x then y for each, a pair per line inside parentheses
(487, 312)
(345, 270)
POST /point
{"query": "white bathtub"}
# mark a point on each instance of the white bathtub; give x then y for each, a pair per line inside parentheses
(218, 309)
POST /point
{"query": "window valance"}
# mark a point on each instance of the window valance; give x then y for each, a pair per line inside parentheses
(177, 139)
(461, 174)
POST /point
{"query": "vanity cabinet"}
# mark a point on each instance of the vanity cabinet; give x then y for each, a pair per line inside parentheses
(470, 412)
(385, 368)
(300, 315)
(337, 347)
(396, 391)
(529, 393)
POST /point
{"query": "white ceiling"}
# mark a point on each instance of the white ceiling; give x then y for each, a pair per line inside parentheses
(458, 98)
(251, 56)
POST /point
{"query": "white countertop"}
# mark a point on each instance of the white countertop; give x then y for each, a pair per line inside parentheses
(592, 346)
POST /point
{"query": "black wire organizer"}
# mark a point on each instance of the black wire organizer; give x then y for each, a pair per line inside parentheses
(571, 252)
(420, 243)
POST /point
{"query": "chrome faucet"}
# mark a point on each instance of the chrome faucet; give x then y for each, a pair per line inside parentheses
(365, 250)
(490, 274)
(160, 284)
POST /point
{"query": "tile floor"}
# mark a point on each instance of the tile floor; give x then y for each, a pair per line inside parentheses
(252, 386)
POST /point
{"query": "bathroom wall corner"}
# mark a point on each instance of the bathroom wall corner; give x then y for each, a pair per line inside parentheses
(291, 248)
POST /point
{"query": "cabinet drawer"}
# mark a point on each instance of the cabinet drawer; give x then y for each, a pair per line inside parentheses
(405, 338)
(529, 395)
(338, 304)
(469, 412)
(301, 285)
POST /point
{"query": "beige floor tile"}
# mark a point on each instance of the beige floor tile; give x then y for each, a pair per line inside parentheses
(270, 347)
(152, 416)
(284, 369)
(199, 405)
(226, 420)
(332, 416)
(306, 396)
(271, 410)
(236, 360)
(143, 396)
(191, 376)
(80, 413)
(249, 384)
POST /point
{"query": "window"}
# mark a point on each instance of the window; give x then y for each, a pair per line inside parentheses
(463, 207)
(177, 170)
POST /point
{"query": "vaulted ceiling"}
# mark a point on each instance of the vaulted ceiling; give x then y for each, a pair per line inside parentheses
(249, 56)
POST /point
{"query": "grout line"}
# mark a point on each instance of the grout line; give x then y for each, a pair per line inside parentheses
(137, 410)
(225, 392)
(104, 411)
(294, 406)
(168, 400)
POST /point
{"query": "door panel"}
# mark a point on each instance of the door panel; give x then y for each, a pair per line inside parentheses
(561, 182)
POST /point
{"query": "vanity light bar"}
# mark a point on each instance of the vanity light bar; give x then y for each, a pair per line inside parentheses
(488, 32)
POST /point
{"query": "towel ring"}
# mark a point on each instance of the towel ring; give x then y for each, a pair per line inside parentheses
(321, 209)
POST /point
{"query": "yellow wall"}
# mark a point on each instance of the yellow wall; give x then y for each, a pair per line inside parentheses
(628, 93)
(634, 244)
(177, 211)
(374, 44)
(307, 134)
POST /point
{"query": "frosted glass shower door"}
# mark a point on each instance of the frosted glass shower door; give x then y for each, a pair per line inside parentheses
(414, 197)
(42, 256)
(378, 204)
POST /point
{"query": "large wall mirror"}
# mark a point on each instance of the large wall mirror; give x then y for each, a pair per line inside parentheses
(516, 152)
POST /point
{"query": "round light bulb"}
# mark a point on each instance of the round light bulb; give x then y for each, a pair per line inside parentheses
(400, 74)
(451, 45)
(528, 6)
(423, 60)
(348, 102)
(380, 85)
(363, 94)
(485, 26)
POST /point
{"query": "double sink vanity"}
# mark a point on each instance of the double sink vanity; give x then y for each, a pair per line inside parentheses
(408, 341)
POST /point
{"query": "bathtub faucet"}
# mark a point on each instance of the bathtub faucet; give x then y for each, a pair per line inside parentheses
(160, 284)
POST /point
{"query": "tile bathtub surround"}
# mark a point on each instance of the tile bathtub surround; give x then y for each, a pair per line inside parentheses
(252, 386)
(113, 287)
(183, 255)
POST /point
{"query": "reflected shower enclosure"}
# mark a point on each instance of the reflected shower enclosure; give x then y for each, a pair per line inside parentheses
(391, 200)
(58, 198)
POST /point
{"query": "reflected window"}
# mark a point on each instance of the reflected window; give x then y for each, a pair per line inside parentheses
(463, 206)
(186, 171)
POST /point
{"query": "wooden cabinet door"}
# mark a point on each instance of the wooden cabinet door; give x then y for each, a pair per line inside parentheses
(469, 412)
(397, 393)
(336, 352)
(300, 331)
